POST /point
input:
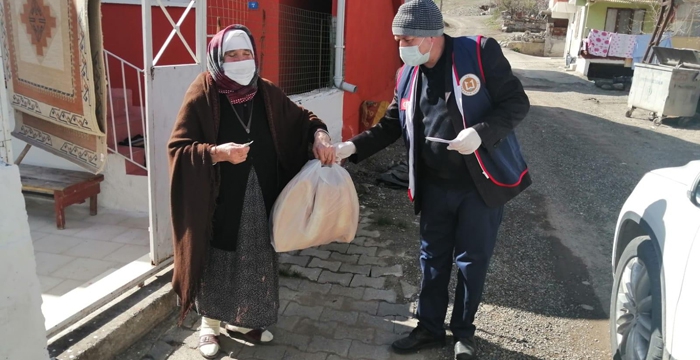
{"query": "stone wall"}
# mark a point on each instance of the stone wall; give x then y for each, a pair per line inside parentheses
(527, 48)
(522, 24)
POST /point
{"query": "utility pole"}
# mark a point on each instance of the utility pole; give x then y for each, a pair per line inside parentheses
(440, 5)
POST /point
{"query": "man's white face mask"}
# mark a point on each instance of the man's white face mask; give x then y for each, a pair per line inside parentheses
(241, 72)
(412, 56)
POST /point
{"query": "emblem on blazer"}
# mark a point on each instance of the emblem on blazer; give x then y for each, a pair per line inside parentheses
(404, 104)
(470, 84)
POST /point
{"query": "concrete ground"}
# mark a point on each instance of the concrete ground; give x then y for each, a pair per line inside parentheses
(338, 301)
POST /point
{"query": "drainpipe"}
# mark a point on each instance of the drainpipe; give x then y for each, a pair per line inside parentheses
(338, 79)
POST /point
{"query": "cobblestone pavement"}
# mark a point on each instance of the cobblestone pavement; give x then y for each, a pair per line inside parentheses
(339, 301)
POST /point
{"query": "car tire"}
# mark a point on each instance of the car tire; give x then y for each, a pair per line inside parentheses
(639, 251)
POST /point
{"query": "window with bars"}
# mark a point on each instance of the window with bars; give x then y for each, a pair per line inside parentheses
(295, 43)
(625, 21)
(306, 49)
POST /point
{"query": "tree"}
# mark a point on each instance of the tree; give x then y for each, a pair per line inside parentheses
(686, 20)
(523, 7)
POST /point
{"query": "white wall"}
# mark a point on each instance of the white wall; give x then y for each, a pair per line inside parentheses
(6, 150)
(328, 106)
(579, 30)
(573, 22)
(554, 46)
(120, 191)
(22, 332)
(6, 153)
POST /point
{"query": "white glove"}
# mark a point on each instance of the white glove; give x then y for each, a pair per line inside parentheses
(466, 142)
(344, 150)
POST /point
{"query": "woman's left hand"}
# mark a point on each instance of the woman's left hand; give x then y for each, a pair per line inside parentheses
(323, 150)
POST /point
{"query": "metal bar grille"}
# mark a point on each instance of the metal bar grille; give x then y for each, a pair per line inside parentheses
(305, 50)
(222, 13)
(295, 46)
(125, 115)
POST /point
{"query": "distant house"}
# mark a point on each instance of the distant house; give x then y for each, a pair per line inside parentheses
(631, 17)
(615, 16)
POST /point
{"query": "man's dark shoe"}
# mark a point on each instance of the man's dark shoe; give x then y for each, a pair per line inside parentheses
(419, 338)
(465, 349)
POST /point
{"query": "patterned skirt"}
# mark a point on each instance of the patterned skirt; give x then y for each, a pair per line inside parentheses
(241, 287)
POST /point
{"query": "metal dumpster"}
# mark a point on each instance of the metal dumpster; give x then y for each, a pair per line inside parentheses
(668, 89)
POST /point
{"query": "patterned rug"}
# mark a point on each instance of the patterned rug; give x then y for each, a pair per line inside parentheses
(55, 76)
(79, 147)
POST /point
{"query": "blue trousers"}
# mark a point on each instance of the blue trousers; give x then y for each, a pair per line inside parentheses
(456, 226)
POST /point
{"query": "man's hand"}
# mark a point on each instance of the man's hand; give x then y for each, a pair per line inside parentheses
(323, 150)
(344, 150)
(466, 142)
(231, 152)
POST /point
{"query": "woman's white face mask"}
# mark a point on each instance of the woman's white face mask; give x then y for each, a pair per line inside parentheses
(412, 56)
(241, 72)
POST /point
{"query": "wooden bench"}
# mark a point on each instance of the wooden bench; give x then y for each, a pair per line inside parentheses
(67, 187)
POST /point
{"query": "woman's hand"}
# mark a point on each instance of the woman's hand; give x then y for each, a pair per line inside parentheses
(323, 150)
(231, 152)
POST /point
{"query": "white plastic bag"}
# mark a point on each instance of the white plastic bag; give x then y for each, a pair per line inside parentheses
(317, 207)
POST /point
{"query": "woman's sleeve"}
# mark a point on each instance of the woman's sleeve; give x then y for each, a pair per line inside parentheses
(192, 171)
(186, 144)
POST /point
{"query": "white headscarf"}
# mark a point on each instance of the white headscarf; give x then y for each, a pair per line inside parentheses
(236, 40)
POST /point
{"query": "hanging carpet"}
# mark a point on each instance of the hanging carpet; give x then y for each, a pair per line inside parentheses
(54, 69)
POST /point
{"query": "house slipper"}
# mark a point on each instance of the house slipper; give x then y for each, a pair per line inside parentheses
(136, 141)
(254, 336)
(209, 346)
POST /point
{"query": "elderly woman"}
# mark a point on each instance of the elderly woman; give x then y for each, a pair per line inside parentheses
(238, 140)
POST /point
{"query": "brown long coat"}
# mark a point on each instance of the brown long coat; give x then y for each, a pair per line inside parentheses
(194, 179)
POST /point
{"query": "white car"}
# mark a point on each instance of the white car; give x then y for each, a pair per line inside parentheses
(655, 303)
